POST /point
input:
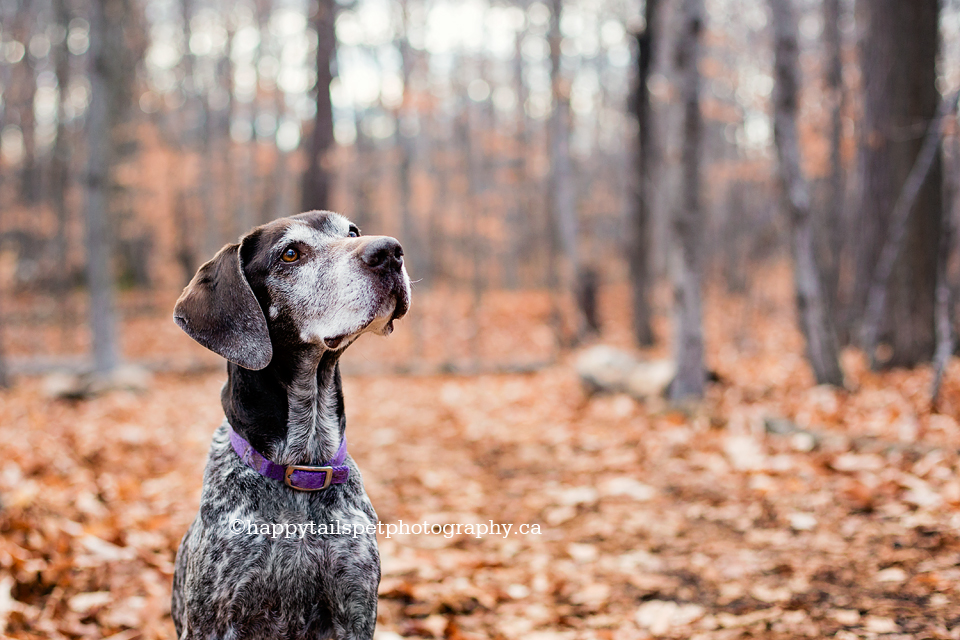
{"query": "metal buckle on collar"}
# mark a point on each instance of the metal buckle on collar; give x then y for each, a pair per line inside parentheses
(327, 478)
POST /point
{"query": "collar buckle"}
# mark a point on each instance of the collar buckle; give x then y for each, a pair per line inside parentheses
(288, 476)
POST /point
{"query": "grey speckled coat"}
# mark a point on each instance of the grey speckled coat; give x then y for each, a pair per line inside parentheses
(281, 306)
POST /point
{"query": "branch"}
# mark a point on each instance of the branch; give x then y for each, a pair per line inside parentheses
(877, 295)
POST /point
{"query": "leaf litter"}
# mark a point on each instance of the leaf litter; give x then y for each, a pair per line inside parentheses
(719, 522)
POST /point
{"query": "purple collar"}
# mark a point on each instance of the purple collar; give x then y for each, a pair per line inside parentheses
(295, 476)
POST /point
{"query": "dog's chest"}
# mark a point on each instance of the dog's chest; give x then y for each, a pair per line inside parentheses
(300, 563)
(290, 566)
(265, 561)
(301, 538)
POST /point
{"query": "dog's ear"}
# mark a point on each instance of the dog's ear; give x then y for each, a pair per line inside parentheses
(218, 310)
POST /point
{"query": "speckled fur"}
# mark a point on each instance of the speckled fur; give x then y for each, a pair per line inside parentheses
(240, 585)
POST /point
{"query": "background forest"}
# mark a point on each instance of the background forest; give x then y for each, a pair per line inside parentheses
(687, 282)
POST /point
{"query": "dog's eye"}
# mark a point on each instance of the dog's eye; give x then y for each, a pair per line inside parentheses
(354, 232)
(290, 255)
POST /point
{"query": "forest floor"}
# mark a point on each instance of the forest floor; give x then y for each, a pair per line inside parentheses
(774, 509)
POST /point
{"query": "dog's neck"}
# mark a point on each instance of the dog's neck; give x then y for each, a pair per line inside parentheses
(291, 411)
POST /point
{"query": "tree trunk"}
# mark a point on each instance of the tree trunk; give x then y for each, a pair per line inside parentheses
(316, 181)
(474, 241)
(689, 219)
(21, 95)
(4, 374)
(811, 305)
(437, 216)
(900, 97)
(5, 381)
(249, 172)
(367, 169)
(406, 143)
(946, 290)
(60, 170)
(562, 192)
(107, 53)
(280, 203)
(520, 239)
(641, 227)
(832, 231)
(227, 148)
(210, 234)
(942, 319)
(212, 231)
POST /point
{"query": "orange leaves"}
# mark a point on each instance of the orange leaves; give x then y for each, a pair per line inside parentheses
(775, 509)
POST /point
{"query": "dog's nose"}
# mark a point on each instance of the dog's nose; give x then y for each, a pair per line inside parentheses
(383, 254)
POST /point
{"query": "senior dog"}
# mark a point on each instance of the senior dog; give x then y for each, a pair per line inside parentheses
(281, 306)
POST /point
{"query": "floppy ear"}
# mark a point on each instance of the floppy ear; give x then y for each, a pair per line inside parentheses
(218, 310)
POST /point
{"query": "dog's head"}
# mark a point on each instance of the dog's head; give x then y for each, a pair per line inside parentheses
(310, 279)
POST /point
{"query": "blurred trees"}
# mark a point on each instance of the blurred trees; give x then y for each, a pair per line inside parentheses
(559, 147)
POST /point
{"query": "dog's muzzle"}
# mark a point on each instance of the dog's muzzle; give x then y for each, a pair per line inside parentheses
(384, 258)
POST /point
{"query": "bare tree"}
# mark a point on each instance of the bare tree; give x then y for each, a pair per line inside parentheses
(227, 151)
(278, 203)
(108, 103)
(5, 381)
(199, 102)
(60, 161)
(945, 336)
(405, 114)
(4, 374)
(946, 292)
(688, 219)
(898, 60)
(562, 196)
(811, 305)
(316, 181)
(21, 94)
(836, 100)
(248, 169)
(641, 224)
(520, 237)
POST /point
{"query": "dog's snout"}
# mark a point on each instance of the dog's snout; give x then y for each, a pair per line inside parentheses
(383, 254)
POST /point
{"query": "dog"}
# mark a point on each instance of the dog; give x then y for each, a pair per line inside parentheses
(281, 306)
